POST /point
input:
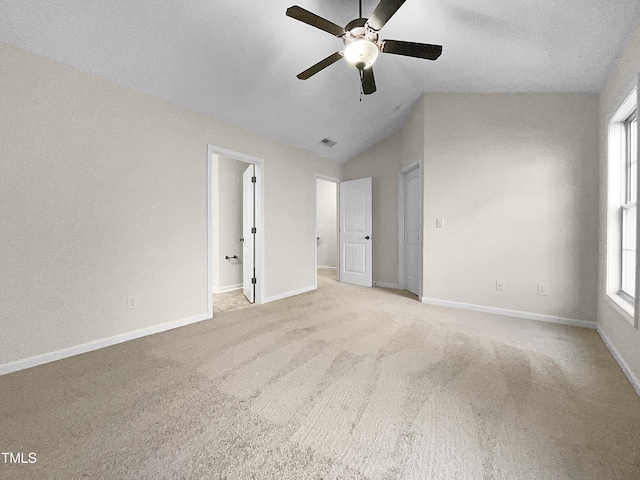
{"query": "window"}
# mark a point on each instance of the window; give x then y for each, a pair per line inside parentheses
(628, 208)
(621, 208)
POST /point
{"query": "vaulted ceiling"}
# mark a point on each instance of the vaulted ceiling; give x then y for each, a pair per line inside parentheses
(238, 60)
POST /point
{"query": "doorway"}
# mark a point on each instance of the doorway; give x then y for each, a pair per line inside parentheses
(343, 227)
(410, 229)
(327, 253)
(235, 233)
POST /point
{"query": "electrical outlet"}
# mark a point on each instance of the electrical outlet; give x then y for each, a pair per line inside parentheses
(500, 285)
(543, 289)
(439, 222)
(132, 302)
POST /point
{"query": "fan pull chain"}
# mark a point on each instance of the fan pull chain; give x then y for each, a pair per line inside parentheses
(361, 83)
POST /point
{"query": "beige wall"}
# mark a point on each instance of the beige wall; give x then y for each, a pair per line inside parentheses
(515, 178)
(624, 76)
(411, 135)
(227, 225)
(382, 162)
(327, 224)
(103, 195)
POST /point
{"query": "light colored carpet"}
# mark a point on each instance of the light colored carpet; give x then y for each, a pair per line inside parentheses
(229, 301)
(341, 383)
(328, 274)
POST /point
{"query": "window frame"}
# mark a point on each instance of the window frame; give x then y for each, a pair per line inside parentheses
(618, 190)
(629, 197)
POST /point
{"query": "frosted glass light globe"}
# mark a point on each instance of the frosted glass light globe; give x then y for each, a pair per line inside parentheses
(361, 53)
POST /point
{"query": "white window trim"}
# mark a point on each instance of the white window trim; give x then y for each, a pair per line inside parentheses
(627, 202)
(616, 153)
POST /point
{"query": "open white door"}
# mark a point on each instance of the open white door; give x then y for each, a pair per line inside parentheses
(355, 232)
(412, 231)
(249, 233)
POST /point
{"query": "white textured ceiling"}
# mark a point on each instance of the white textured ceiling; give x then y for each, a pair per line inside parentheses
(238, 60)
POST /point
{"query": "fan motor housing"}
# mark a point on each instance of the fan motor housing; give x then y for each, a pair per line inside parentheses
(358, 29)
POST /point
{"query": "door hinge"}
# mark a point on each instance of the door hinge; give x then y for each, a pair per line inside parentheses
(253, 179)
(253, 230)
(254, 281)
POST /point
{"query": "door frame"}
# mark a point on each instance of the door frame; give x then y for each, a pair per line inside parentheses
(401, 208)
(337, 181)
(259, 247)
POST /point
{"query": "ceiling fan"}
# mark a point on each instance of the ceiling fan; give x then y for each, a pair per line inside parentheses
(360, 37)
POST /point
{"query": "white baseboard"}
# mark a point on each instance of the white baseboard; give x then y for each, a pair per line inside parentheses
(511, 313)
(291, 293)
(386, 285)
(323, 267)
(623, 365)
(96, 345)
(230, 288)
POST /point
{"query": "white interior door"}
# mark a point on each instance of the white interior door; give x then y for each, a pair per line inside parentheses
(249, 233)
(412, 231)
(355, 232)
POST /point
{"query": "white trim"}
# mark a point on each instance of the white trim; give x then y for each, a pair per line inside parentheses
(621, 306)
(401, 207)
(97, 344)
(386, 285)
(235, 155)
(229, 288)
(322, 267)
(636, 302)
(623, 365)
(401, 229)
(327, 178)
(209, 230)
(512, 313)
(259, 163)
(291, 293)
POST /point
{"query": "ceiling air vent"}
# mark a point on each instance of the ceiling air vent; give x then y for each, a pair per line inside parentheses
(327, 142)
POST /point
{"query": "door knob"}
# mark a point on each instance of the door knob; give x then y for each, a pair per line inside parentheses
(367, 237)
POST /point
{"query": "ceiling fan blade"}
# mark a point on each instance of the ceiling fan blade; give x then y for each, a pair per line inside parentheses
(412, 49)
(314, 20)
(368, 82)
(321, 65)
(383, 12)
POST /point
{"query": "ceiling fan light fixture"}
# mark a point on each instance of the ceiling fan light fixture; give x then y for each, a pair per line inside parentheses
(361, 53)
(361, 41)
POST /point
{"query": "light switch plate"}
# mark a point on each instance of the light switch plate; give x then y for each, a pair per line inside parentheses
(132, 302)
